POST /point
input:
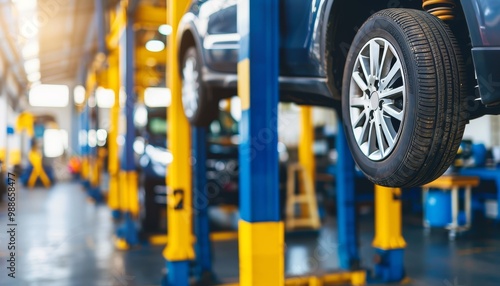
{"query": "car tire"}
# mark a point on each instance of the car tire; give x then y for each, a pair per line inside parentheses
(404, 117)
(201, 107)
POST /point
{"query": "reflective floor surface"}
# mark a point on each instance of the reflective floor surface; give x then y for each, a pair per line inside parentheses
(63, 240)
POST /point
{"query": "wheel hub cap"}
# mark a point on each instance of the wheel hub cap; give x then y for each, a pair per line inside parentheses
(377, 96)
(374, 101)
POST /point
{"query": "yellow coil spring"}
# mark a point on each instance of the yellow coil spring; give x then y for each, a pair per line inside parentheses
(443, 9)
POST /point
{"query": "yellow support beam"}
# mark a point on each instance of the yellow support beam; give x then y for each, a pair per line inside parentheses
(147, 77)
(261, 248)
(306, 154)
(113, 158)
(118, 22)
(144, 56)
(179, 204)
(148, 15)
(355, 278)
(388, 222)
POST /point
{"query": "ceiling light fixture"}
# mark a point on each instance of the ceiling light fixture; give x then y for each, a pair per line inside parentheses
(155, 45)
(165, 30)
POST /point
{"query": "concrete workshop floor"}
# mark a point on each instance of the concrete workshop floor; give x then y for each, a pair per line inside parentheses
(64, 240)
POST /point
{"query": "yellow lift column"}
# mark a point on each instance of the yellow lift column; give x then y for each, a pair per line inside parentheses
(113, 159)
(127, 233)
(179, 250)
(388, 241)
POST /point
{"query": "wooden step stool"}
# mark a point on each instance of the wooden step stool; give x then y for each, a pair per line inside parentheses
(307, 198)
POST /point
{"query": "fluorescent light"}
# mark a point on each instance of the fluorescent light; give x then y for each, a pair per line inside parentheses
(105, 97)
(165, 29)
(236, 108)
(92, 138)
(141, 116)
(157, 97)
(25, 4)
(31, 50)
(34, 77)
(91, 102)
(49, 95)
(120, 140)
(122, 97)
(32, 66)
(53, 142)
(155, 46)
(79, 95)
(82, 137)
(102, 135)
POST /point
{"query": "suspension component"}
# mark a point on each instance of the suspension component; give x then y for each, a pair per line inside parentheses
(443, 9)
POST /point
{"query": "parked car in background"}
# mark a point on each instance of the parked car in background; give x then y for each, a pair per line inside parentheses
(405, 81)
(154, 157)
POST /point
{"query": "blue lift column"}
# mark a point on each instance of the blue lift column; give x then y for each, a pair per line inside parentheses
(203, 249)
(261, 232)
(346, 204)
(127, 233)
(85, 146)
(95, 189)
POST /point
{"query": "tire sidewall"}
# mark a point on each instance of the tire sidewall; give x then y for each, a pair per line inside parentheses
(381, 27)
(208, 106)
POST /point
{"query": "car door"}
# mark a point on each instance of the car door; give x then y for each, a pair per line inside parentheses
(300, 28)
(221, 40)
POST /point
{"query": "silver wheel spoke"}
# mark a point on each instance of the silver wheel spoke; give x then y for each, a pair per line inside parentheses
(387, 81)
(380, 140)
(364, 135)
(371, 139)
(377, 114)
(364, 62)
(374, 57)
(389, 132)
(382, 62)
(359, 81)
(359, 121)
(391, 92)
(358, 102)
(391, 111)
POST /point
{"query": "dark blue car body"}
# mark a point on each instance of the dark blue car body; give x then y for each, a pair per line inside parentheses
(311, 60)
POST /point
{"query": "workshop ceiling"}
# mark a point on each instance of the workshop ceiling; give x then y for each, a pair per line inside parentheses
(67, 34)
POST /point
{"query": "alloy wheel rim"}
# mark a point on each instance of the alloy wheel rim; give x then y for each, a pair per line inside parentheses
(190, 86)
(377, 99)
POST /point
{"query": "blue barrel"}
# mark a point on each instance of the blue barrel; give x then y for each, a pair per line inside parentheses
(438, 208)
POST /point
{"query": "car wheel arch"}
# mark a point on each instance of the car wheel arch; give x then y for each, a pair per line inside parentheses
(188, 37)
(338, 41)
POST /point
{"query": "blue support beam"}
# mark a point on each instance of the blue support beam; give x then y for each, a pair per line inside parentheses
(200, 207)
(346, 204)
(128, 230)
(177, 271)
(85, 143)
(261, 233)
(258, 25)
(127, 159)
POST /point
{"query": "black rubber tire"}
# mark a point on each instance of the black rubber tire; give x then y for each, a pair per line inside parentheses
(208, 104)
(435, 115)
